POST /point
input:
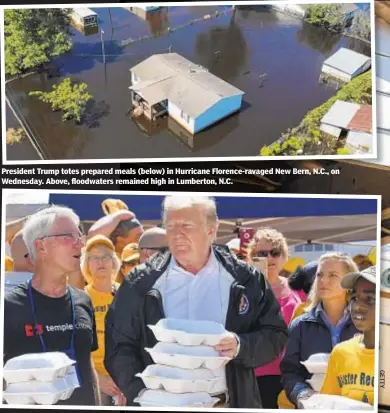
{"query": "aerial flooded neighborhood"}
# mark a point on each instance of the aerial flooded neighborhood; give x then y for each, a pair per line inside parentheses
(188, 81)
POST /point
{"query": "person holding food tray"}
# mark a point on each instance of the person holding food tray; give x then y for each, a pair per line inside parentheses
(326, 323)
(351, 366)
(195, 280)
(46, 314)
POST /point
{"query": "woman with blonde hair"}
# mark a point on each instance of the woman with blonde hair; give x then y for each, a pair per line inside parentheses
(326, 323)
(100, 265)
(272, 245)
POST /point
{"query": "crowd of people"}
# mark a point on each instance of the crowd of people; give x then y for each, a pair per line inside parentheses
(92, 295)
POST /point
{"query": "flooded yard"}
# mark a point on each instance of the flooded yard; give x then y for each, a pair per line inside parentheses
(243, 47)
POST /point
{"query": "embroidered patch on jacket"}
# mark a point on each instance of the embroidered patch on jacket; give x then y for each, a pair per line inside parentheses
(244, 305)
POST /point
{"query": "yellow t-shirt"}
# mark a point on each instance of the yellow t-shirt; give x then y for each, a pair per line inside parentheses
(350, 371)
(101, 302)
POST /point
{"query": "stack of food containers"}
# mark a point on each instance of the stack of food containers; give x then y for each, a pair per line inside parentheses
(188, 370)
(317, 365)
(333, 402)
(39, 378)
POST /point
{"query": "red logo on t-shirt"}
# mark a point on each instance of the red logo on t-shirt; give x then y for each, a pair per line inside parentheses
(32, 331)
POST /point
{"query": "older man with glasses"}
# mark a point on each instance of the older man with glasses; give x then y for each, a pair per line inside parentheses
(195, 280)
(46, 314)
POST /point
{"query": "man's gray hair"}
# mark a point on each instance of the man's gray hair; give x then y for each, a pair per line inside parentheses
(207, 204)
(39, 225)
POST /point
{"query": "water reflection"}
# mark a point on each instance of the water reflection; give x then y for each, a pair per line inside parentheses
(158, 21)
(317, 38)
(208, 137)
(223, 50)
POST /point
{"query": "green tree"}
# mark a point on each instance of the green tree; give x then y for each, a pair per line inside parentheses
(34, 36)
(70, 98)
(328, 16)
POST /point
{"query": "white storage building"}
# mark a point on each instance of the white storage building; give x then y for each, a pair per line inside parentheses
(346, 64)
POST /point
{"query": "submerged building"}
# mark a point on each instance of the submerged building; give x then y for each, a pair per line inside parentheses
(187, 92)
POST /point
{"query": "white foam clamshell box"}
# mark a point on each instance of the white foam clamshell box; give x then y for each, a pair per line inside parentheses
(333, 402)
(316, 381)
(317, 363)
(37, 366)
(188, 332)
(42, 392)
(187, 357)
(162, 398)
(177, 380)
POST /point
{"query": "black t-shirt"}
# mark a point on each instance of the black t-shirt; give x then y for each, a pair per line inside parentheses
(54, 320)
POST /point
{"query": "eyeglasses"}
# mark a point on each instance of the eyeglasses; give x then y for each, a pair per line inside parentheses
(75, 238)
(274, 253)
(97, 258)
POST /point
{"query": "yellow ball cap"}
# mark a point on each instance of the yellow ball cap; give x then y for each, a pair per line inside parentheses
(99, 240)
(293, 263)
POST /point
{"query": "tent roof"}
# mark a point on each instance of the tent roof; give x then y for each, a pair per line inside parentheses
(299, 219)
(342, 220)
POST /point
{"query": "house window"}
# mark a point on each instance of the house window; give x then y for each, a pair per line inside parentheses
(185, 117)
(318, 247)
(329, 247)
(136, 78)
(299, 248)
(309, 247)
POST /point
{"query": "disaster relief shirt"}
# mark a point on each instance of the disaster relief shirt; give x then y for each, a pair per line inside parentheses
(54, 323)
(350, 371)
(101, 302)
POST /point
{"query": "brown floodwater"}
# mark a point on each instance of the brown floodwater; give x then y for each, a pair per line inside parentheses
(240, 47)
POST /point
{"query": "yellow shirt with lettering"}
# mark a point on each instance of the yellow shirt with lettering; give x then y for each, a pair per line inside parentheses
(101, 302)
(350, 371)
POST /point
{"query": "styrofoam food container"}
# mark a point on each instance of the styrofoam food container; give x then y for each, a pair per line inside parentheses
(333, 402)
(316, 381)
(12, 279)
(164, 399)
(188, 332)
(37, 366)
(317, 363)
(187, 357)
(40, 392)
(177, 380)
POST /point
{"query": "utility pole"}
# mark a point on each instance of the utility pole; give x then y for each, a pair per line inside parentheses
(102, 40)
(109, 11)
(170, 48)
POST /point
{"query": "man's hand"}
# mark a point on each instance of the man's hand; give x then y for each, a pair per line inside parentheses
(228, 346)
(122, 400)
(107, 386)
(304, 395)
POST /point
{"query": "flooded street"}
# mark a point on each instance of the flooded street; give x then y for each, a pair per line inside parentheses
(237, 46)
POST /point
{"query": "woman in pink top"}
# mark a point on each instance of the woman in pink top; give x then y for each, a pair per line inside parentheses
(271, 244)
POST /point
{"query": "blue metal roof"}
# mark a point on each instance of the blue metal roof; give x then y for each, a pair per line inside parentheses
(148, 207)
